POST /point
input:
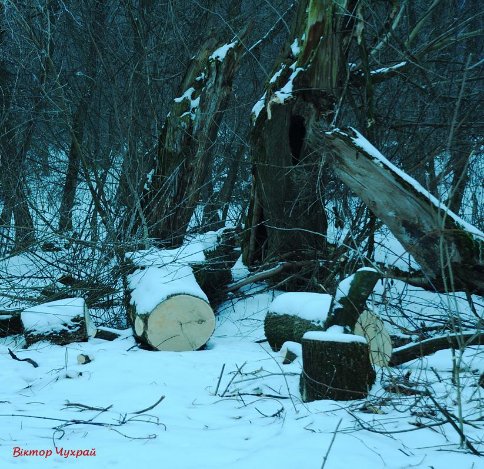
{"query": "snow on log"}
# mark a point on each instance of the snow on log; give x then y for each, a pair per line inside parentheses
(10, 324)
(350, 298)
(169, 310)
(449, 250)
(291, 315)
(60, 322)
(290, 351)
(335, 366)
(429, 346)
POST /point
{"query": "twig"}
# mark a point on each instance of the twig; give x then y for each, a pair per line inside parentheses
(219, 379)
(331, 444)
(239, 371)
(28, 360)
(148, 408)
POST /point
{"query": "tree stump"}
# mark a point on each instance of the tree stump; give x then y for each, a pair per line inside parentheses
(335, 366)
(291, 315)
(215, 272)
(169, 311)
(60, 322)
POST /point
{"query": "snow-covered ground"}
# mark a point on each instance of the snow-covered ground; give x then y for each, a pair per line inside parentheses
(232, 405)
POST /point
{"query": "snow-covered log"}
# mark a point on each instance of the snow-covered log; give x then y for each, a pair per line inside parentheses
(427, 347)
(10, 324)
(350, 299)
(449, 250)
(60, 322)
(335, 366)
(169, 311)
(291, 315)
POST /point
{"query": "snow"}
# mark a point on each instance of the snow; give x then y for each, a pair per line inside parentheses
(221, 52)
(295, 49)
(285, 92)
(310, 306)
(368, 148)
(258, 106)
(334, 334)
(388, 69)
(153, 285)
(239, 425)
(53, 316)
(194, 102)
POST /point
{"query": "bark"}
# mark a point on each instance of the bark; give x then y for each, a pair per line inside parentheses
(449, 251)
(429, 346)
(10, 324)
(335, 370)
(286, 217)
(188, 134)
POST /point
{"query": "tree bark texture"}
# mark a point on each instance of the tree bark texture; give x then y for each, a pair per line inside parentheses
(335, 370)
(190, 130)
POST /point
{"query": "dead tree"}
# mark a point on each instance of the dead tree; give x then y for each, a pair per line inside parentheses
(174, 185)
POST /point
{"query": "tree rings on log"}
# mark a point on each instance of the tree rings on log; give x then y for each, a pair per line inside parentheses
(372, 328)
(335, 366)
(179, 323)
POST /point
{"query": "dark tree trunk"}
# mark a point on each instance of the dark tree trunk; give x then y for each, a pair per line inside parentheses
(286, 216)
(188, 134)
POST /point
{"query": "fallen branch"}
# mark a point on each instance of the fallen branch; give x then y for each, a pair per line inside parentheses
(427, 347)
(28, 360)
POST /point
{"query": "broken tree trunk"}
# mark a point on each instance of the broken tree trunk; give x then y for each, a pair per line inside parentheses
(286, 218)
(449, 251)
(174, 185)
(427, 347)
(169, 311)
(350, 298)
(60, 322)
(335, 366)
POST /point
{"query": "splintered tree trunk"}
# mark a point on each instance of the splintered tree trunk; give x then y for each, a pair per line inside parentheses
(449, 251)
(286, 217)
(335, 366)
(173, 188)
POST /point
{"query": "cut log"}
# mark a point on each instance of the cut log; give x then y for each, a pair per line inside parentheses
(60, 322)
(214, 274)
(10, 324)
(350, 298)
(449, 250)
(290, 351)
(427, 347)
(335, 366)
(291, 315)
(169, 311)
(372, 328)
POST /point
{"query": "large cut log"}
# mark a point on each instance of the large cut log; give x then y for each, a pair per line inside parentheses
(60, 322)
(350, 298)
(169, 311)
(449, 250)
(427, 347)
(291, 315)
(335, 366)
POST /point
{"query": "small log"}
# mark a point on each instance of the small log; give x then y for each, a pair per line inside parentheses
(10, 324)
(350, 298)
(60, 322)
(290, 351)
(427, 347)
(291, 315)
(107, 333)
(169, 311)
(335, 366)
